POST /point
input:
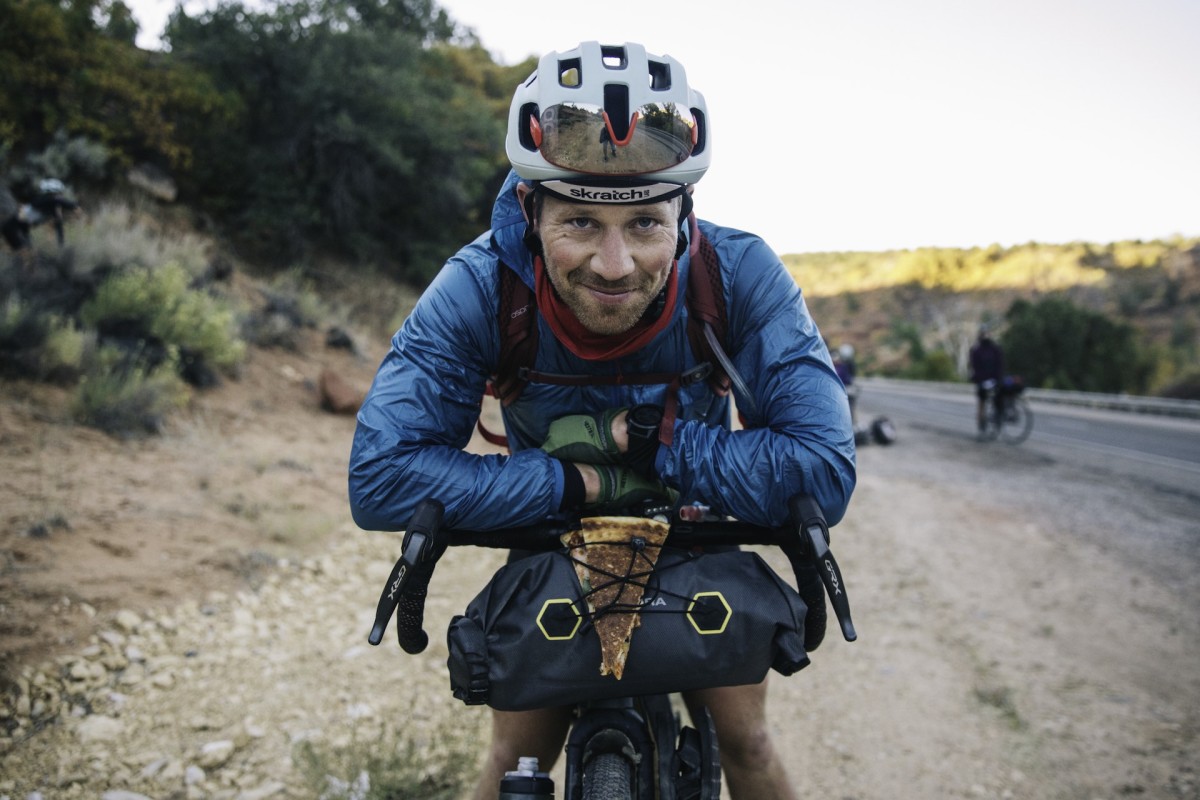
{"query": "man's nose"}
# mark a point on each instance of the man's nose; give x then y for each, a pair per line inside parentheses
(613, 259)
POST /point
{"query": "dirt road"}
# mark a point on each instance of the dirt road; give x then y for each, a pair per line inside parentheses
(1006, 648)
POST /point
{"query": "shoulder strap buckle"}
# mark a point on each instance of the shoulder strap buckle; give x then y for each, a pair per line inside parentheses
(696, 374)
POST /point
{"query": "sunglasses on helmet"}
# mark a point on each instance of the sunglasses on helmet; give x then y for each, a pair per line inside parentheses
(583, 138)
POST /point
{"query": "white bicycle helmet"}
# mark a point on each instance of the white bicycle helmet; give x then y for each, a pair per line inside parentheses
(51, 186)
(609, 124)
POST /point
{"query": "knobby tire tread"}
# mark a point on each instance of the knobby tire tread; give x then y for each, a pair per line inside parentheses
(607, 777)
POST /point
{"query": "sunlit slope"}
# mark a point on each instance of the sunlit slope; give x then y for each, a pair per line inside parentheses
(1033, 266)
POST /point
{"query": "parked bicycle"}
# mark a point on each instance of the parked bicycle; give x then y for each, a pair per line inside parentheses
(1008, 416)
(531, 637)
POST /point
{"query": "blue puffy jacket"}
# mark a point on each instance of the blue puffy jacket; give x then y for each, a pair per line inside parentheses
(421, 410)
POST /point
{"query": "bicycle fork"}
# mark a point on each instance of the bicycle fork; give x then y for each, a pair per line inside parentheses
(666, 761)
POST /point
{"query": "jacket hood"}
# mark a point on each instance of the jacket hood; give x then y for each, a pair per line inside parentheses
(508, 230)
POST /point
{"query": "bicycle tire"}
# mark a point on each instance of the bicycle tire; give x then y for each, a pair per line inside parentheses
(1019, 424)
(608, 776)
(991, 423)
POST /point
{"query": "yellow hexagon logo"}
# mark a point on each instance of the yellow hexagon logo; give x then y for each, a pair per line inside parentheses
(709, 613)
(558, 619)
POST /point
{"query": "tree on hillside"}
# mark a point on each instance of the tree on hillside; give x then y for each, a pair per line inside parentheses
(72, 69)
(1055, 344)
(422, 19)
(361, 129)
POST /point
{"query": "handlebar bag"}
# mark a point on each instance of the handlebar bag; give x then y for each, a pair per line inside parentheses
(713, 619)
(1012, 385)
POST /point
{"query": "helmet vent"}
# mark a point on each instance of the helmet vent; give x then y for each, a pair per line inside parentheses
(701, 131)
(660, 76)
(528, 116)
(570, 73)
(614, 57)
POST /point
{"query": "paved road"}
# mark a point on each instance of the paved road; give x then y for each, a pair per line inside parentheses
(1164, 450)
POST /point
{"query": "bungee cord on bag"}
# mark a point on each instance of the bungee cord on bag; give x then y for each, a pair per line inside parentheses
(631, 577)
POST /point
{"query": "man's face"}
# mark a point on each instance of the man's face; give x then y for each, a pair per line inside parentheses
(608, 262)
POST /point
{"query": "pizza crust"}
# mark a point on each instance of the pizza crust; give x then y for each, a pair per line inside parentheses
(603, 557)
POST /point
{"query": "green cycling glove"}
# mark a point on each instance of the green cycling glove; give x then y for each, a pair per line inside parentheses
(584, 438)
(622, 490)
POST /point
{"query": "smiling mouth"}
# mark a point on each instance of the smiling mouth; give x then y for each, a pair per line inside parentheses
(611, 296)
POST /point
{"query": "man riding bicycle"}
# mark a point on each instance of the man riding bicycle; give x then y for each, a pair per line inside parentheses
(987, 371)
(602, 418)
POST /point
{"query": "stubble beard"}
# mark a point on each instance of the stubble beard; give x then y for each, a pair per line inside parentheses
(602, 318)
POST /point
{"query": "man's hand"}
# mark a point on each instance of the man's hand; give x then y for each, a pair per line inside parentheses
(586, 438)
(613, 457)
(621, 489)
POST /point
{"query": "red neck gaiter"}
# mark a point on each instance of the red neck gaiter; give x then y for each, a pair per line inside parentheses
(596, 346)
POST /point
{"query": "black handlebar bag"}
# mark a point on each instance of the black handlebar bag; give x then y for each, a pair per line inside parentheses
(717, 619)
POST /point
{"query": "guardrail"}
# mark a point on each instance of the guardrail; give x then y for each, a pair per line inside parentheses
(1133, 404)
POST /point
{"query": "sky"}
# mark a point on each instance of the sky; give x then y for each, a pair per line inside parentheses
(878, 125)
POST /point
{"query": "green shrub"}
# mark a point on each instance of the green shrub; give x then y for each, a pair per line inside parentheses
(124, 395)
(64, 157)
(64, 349)
(118, 236)
(13, 316)
(1185, 387)
(935, 366)
(162, 304)
(129, 312)
(22, 333)
(290, 309)
(1055, 344)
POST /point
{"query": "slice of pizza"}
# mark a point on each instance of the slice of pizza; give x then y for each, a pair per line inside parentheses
(613, 559)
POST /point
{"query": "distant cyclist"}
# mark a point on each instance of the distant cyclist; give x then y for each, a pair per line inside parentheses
(847, 370)
(987, 373)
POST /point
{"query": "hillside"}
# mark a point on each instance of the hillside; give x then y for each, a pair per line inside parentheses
(873, 300)
(252, 472)
(237, 468)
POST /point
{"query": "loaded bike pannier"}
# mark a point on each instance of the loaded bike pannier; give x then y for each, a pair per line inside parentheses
(530, 638)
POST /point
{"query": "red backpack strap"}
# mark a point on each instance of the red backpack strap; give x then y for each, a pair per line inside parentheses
(517, 318)
(707, 317)
(498, 439)
(706, 305)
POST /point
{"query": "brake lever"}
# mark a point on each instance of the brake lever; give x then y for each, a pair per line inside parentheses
(814, 545)
(404, 593)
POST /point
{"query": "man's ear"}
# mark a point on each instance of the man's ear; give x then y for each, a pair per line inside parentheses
(525, 198)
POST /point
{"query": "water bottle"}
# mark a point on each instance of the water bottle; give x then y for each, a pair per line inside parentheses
(526, 783)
